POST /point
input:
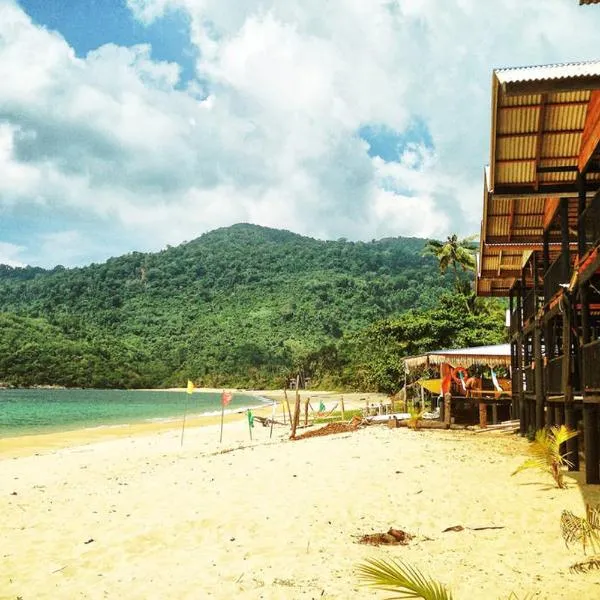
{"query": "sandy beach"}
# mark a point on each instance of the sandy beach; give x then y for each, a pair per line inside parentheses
(132, 514)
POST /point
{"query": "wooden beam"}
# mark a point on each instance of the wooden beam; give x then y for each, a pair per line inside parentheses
(590, 138)
(535, 133)
(533, 159)
(540, 138)
(499, 263)
(549, 104)
(542, 86)
(511, 217)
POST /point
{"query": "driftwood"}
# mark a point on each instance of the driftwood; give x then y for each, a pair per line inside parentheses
(266, 421)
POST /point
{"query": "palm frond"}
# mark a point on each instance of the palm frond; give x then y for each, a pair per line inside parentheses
(401, 578)
(586, 565)
(582, 529)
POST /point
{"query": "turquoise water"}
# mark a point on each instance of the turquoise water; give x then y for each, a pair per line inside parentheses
(27, 412)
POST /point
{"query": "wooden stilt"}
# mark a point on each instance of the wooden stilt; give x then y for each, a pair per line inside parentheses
(482, 415)
(592, 449)
(448, 408)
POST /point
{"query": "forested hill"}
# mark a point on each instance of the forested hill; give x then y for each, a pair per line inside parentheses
(239, 306)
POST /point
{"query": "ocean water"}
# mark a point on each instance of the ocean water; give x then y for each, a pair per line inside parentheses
(31, 411)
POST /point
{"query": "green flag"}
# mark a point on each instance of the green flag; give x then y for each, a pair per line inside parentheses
(250, 418)
(321, 407)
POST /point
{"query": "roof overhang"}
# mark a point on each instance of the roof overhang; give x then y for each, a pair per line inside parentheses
(493, 356)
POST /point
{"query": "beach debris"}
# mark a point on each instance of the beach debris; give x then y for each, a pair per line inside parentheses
(90, 541)
(332, 428)
(461, 528)
(393, 537)
(454, 528)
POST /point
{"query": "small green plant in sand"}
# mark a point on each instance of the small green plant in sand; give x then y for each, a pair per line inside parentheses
(405, 580)
(545, 453)
(416, 414)
(585, 530)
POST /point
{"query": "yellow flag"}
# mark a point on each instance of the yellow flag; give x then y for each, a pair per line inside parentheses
(190, 386)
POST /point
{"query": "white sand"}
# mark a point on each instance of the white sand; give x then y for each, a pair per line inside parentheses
(274, 519)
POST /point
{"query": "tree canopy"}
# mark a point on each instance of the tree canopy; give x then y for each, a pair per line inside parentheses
(242, 306)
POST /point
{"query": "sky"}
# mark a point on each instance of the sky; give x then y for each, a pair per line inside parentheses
(131, 125)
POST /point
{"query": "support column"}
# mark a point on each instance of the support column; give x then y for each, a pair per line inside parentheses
(519, 370)
(570, 420)
(590, 428)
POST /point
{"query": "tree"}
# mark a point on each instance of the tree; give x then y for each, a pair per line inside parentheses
(454, 252)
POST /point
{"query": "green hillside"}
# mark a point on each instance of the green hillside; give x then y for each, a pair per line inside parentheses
(240, 306)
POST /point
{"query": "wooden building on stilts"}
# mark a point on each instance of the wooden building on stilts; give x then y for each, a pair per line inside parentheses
(540, 245)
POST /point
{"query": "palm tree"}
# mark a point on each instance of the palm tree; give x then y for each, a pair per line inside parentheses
(454, 252)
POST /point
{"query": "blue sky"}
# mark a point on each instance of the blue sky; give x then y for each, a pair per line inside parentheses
(132, 124)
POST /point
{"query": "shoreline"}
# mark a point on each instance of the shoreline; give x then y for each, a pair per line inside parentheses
(38, 443)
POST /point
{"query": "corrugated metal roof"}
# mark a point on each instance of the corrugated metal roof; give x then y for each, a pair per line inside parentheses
(545, 72)
(538, 116)
(588, 2)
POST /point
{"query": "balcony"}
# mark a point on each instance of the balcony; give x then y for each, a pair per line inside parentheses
(591, 223)
(531, 303)
(557, 273)
(591, 367)
(515, 322)
(554, 375)
(529, 375)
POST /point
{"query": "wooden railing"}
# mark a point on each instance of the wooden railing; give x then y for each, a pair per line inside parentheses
(530, 306)
(515, 322)
(554, 276)
(591, 222)
(529, 380)
(591, 366)
(554, 375)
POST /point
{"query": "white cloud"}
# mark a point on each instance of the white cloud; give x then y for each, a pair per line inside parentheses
(111, 144)
(10, 254)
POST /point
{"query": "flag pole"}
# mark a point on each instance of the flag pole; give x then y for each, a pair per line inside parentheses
(249, 415)
(189, 390)
(273, 419)
(222, 416)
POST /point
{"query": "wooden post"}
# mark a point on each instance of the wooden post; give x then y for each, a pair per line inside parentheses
(592, 458)
(448, 408)
(296, 418)
(538, 376)
(287, 403)
(519, 373)
(306, 412)
(567, 385)
(494, 414)
(342, 402)
(482, 414)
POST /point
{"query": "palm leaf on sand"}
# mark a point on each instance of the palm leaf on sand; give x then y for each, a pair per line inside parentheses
(402, 579)
(545, 453)
(585, 530)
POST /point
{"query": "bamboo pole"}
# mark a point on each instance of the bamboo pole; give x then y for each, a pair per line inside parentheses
(222, 416)
(272, 419)
(296, 418)
(283, 402)
(287, 402)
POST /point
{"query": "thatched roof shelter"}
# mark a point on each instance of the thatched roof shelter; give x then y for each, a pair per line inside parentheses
(493, 356)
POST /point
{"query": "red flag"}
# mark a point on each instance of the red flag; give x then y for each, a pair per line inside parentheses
(226, 398)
